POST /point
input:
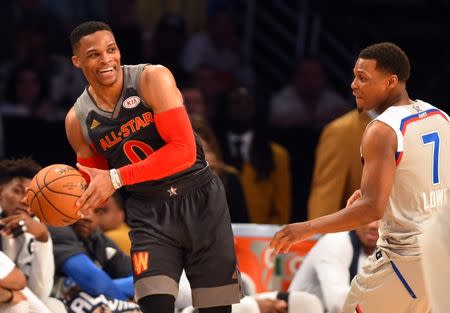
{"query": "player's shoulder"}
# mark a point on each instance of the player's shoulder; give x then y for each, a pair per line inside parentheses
(71, 116)
(157, 75)
(156, 70)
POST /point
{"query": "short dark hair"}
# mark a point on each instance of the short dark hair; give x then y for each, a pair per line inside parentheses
(17, 168)
(389, 57)
(85, 29)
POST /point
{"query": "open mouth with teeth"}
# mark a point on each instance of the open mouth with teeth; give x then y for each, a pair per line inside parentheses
(106, 70)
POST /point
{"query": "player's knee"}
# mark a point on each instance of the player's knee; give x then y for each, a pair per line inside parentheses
(216, 309)
(157, 303)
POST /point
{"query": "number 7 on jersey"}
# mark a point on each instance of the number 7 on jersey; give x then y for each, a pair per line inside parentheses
(433, 139)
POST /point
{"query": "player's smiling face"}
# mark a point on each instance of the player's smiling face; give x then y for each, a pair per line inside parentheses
(370, 85)
(98, 56)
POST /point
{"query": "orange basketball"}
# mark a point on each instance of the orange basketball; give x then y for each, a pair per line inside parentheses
(53, 192)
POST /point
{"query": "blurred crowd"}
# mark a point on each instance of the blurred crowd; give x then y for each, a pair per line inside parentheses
(284, 158)
(270, 141)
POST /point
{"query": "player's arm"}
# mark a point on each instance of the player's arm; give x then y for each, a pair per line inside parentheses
(84, 271)
(11, 277)
(158, 88)
(85, 155)
(378, 148)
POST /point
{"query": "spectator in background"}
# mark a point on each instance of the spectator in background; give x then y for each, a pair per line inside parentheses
(264, 165)
(167, 45)
(31, 14)
(27, 93)
(229, 175)
(332, 263)
(205, 78)
(127, 31)
(12, 280)
(73, 12)
(111, 220)
(64, 82)
(193, 12)
(20, 298)
(24, 239)
(2, 139)
(84, 255)
(338, 166)
(193, 101)
(306, 101)
(221, 48)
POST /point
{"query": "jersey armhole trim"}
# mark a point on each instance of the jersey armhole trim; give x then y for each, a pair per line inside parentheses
(81, 116)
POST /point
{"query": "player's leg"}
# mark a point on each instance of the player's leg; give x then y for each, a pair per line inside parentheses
(388, 284)
(217, 309)
(211, 263)
(436, 260)
(156, 256)
(157, 303)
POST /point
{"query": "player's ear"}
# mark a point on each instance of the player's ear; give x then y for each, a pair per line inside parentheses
(392, 81)
(76, 61)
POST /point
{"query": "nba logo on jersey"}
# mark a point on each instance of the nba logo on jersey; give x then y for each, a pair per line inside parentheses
(131, 102)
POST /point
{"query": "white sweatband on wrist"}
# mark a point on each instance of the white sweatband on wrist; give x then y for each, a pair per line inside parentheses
(115, 179)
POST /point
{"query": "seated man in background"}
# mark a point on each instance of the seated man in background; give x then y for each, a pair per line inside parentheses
(25, 240)
(12, 280)
(89, 262)
(332, 263)
(112, 222)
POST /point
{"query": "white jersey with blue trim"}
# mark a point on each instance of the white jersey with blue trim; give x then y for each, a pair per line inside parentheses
(422, 179)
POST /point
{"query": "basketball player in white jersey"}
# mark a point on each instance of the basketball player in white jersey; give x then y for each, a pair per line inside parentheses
(406, 178)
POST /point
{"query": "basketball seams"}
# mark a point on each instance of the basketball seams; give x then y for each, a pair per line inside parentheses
(40, 209)
(62, 193)
(62, 213)
(41, 188)
(35, 198)
(58, 178)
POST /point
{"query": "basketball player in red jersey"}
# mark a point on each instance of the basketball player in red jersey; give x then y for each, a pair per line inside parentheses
(130, 131)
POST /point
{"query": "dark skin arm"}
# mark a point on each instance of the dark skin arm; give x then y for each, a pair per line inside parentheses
(100, 185)
(379, 145)
(38, 230)
(15, 280)
(12, 283)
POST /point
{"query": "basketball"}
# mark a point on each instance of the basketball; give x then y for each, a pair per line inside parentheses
(53, 192)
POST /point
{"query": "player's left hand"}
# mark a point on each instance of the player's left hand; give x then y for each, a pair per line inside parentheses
(99, 190)
(289, 235)
(354, 197)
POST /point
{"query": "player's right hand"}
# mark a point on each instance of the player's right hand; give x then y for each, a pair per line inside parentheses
(99, 190)
(289, 235)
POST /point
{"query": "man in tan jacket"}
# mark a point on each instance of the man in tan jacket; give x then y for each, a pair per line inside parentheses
(338, 168)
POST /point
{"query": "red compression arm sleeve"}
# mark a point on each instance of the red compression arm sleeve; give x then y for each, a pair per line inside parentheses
(176, 155)
(96, 161)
